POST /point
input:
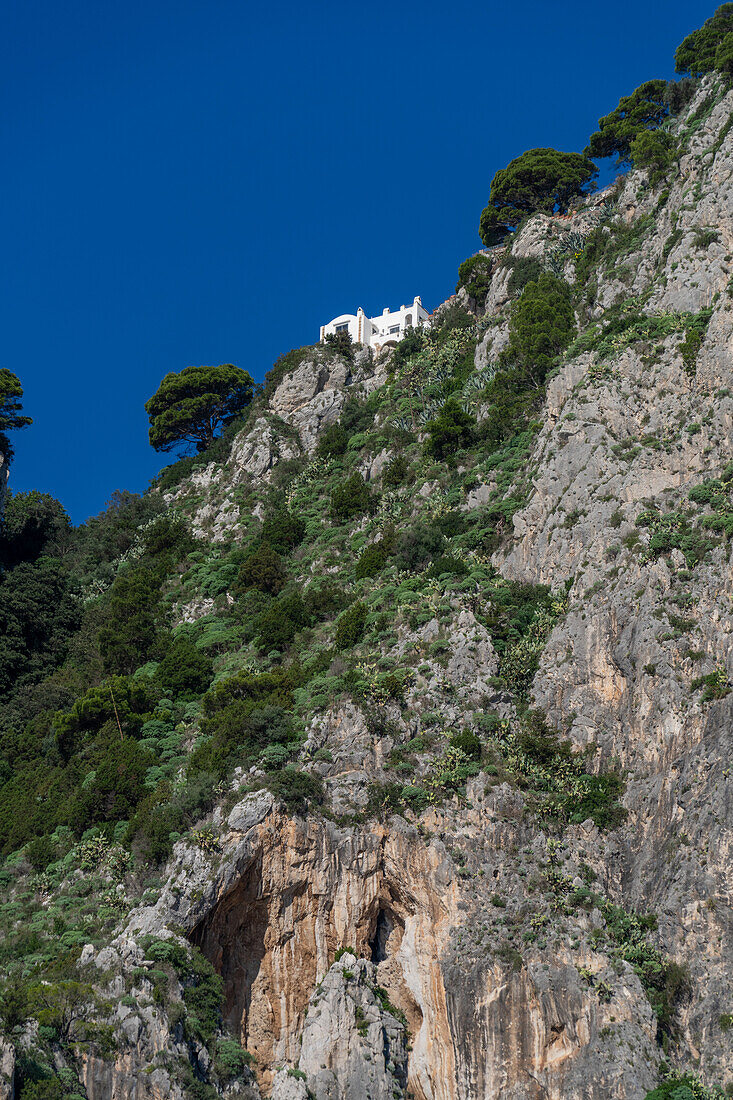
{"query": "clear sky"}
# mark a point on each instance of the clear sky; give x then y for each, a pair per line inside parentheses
(208, 181)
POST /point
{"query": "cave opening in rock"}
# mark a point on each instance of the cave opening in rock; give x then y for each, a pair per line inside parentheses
(232, 937)
(381, 943)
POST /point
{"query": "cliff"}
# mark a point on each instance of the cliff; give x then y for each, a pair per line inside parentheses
(508, 869)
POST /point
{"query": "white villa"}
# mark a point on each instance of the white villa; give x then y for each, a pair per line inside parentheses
(379, 332)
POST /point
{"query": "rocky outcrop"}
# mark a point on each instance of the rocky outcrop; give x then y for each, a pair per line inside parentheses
(7, 1070)
(352, 1045)
(284, 895)
(640, 628)
(312, 396)
(212, 500)
(256, 451)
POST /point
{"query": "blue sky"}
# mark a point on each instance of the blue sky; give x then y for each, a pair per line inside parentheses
(204, 182)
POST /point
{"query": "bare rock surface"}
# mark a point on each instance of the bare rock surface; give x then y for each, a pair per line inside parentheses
(312, 396)
(285, 894)
(353, 1047)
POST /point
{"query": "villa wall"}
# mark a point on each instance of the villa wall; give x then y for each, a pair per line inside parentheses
(375, 332)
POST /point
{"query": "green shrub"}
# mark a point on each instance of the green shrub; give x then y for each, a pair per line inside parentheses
(283, 531)
(540, 742)
(716, 685)
(357, 415)
(40, 852)
(242, 716)
(447, 564)
(395, 472)
(683, 1088)
(672, 531)
(600, 801)
(672, 240)
(120, 703)
(176, 472)
(542, 325)
(655, 151)
(50, 1088)
(280, 621)
(297, 789)
(264, 570)
(448, 320)
(690, 348)
(248, 690)
(705, 237)
(410, 344)
(341, 951)
(468, 743)
(203, 989)
(525, 269)
(116, 785)
(33, 523)
(231, 1059)
(131, 634)
(324, 599)
(451, 523)
(342, 344)
(333, 442)
(450, 431)
(350, 626)
(167, 542)
(475, 275)
(372, 560)
(418, 544)
(351, 499)
(153, 826)
(185, 671)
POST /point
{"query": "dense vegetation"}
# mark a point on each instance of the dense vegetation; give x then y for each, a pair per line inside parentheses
(709, 47)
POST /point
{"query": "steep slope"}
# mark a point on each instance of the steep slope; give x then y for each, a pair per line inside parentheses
(467, 750)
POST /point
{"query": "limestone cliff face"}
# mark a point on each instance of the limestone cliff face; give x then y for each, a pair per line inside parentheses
(642, 437)
(284, 896)
(7, 1070)
(639, 433)
(474, 963)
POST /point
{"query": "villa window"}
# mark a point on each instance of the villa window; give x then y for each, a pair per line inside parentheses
(394, 328)
(343, 328)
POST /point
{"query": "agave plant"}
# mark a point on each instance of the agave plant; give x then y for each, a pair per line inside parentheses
(479, 380)
(555, 261)
(401, 423)
(428, 412)
(574, 242)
